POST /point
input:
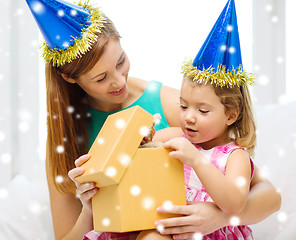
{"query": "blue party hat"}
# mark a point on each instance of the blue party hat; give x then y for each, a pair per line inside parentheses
(69, 30)
(219, 59)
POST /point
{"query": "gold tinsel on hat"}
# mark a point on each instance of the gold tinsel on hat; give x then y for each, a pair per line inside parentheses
(221, 78)
(59, 57)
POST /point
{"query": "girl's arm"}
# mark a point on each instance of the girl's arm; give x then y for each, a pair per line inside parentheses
(227, 190)
(70, 219)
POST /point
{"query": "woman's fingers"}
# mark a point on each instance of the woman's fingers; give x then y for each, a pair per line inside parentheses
(82, 159)
(175, 209)
(85, 187)
(73, 173)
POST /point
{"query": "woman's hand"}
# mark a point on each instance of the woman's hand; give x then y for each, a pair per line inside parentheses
(198, 217)
(85, 191)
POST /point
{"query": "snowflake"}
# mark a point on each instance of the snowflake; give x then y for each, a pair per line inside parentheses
(71, 109)
(167, 205)
(61, 13)
(6, 158)
(59, 179)
(229, 28)
(231, 50)
(135, 190)
(241, 181)
(148, 203)
(106, 222)
(100, 141)
(124, 159)
(160, 228)
(197, 236)
(24, 126)
(111, 171)
(60, 149)
(73, 12)
(223, 48)
(263, 80)
(38, 8)
(3, 193)
(282, 216)
(234, 221)
(120, 123)
(144, 131)
(35, 208)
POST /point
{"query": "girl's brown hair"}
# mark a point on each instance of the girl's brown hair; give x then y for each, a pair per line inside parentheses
(243, 130)
(67, 136)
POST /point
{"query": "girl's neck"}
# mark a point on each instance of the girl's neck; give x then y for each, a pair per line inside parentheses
(214, 143)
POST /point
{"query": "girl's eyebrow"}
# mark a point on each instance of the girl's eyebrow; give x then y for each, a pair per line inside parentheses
(105, 72)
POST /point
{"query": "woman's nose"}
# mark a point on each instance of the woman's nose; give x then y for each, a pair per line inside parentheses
(118, 78)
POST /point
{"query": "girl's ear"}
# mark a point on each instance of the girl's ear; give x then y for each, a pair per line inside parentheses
(232, 117)
(67, 79)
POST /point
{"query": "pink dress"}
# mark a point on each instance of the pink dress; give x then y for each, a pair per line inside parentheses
(195, 191)
(108, 236)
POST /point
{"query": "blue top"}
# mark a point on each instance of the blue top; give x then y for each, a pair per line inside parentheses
(149, 100)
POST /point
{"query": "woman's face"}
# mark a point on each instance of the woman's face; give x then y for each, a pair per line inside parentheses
(105, 83)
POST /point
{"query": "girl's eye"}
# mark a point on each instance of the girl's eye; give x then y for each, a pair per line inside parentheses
(203, 111)
(182, 106)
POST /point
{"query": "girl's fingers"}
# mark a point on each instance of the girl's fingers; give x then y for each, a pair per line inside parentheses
(82, 159)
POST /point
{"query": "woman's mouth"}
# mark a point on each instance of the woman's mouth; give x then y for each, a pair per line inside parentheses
(119, 91)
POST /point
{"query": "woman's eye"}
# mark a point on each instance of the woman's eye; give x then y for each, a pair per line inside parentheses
(102, 79)
(121, 62)
(183, 107)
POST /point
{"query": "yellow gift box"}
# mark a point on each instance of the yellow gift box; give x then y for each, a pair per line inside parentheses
(133, 181)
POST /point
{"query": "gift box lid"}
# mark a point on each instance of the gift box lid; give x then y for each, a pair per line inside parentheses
(115, 145)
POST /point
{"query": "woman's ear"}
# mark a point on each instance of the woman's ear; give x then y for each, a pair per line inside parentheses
(232, 117)
(67, 79)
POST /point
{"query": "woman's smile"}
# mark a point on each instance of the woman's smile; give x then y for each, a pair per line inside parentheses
(119, 91)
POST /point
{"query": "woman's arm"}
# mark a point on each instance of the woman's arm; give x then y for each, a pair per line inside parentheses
(171, 105)
(70, 219)
(263, 200)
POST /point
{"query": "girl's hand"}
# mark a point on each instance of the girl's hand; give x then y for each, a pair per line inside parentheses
(198, 217)
(183, 150)
(85, 191)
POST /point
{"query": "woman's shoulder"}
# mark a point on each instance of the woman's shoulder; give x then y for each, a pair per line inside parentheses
(137, 84)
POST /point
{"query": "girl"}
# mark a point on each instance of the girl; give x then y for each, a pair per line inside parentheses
(83, 88)
(217, 137)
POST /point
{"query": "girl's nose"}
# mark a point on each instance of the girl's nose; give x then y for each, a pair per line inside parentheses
(190, 117)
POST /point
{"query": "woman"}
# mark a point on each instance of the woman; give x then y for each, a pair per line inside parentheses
(83, 87)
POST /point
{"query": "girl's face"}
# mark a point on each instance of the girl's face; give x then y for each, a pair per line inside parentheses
(202, 115)
(105, 83)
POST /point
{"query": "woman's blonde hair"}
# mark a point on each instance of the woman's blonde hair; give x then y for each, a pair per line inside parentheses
(237, 98)
(67, 136)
